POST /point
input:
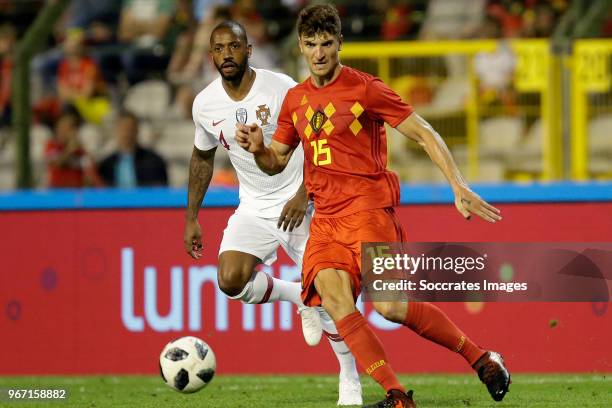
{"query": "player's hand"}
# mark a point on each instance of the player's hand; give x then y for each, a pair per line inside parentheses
(193, 239)
(294, 211)
(250, 137)
(468, 203)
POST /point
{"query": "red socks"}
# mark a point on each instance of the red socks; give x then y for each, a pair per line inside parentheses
(425, 319)
(368, 350)
(430, 322)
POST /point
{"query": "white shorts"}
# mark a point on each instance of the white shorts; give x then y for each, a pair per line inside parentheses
(261, 237)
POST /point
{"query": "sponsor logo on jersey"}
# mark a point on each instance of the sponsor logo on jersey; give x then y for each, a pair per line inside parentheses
(216, 122)
(241, 115)
(317, 121)
(263, 114)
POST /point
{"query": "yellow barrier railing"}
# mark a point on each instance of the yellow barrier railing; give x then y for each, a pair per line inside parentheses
(590, 66)
(536, 72)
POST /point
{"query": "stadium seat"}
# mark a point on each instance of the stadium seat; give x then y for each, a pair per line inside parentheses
(491, 171)
(7, 175)
(451, 95)
(600, 136)
(600, 146)
(498, 136)
(176, 140)
(178, 174)
(148, 99)
(532, 143)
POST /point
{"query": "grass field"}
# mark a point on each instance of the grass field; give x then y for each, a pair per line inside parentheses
(581, 390)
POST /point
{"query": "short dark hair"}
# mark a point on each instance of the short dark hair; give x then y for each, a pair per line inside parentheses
(232, 25)
(318, 19)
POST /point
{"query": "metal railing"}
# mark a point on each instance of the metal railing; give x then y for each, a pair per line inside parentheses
(468, 121)
(591, 102)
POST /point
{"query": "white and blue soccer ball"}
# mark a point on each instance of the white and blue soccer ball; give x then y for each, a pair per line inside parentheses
(187, 364)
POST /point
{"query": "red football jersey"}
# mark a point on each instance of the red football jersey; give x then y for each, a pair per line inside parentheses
(341, 127)
(77, 76)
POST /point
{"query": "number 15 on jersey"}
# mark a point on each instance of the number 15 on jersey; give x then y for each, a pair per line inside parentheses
(321, 152)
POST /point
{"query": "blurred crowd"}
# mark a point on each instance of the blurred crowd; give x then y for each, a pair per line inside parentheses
(112, 86)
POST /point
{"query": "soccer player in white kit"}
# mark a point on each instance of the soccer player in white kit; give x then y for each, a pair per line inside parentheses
(273, 211)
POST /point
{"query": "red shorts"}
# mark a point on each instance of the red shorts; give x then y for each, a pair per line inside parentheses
(336, 243)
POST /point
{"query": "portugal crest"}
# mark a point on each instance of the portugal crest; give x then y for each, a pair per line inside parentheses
(263, 114)
(317, 120)
(241, 115)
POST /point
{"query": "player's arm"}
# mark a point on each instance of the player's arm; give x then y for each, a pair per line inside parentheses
(294, 210)
(466, 201)
(201, 169)
(272, 159)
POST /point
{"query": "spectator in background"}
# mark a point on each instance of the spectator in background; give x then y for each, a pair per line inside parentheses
(509, 15)
(144, 29)
(203, 8)
(495, 70)
(97, 17)
(79, 80)
(539, 21)
(132, 165)
(264, 53)
(197, 69)
(452, 19)
(399, 21)
(192, 68)
(68, 164)
(8, 36)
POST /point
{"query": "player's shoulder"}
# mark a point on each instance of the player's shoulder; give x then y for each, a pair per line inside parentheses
(209, 93)
(299, 89)
(275, 79)
(354, 75)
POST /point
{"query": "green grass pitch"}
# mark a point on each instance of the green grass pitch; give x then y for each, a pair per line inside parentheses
(431, 390)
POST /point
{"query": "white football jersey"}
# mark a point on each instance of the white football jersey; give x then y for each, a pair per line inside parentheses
(215, 115)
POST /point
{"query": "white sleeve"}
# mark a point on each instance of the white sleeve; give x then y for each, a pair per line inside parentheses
(203, 140)
(289, 82)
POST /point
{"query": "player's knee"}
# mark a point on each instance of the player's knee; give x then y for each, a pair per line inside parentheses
(231, 280)
(393, 311)
(338, 305)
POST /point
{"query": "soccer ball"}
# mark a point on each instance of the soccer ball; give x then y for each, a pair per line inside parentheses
(187, 364)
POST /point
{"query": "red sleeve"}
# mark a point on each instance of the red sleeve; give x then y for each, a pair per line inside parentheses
(382, 103)
(285, 132)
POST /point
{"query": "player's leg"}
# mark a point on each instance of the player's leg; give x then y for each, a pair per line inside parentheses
(335, 289)
(349, 385)
(326, 282)
(431, 323)
(246, 243)
(239, 280)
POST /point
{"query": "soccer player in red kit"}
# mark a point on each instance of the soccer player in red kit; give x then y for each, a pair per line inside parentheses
(338, 115)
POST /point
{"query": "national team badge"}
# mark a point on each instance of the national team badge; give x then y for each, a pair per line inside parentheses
(241, 115)
(317, 120)
(263, 114)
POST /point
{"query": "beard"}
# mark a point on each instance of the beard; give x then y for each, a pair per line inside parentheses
(238, 72)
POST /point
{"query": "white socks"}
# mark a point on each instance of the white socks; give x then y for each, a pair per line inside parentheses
(348, 368)
(263, 288)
